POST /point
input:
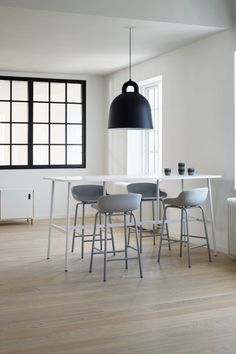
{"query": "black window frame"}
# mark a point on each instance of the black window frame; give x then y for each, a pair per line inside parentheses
(30, 123)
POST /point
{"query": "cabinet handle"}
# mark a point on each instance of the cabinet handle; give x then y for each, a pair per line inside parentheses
(29, 196)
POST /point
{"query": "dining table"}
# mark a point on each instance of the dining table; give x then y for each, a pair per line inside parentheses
(104, 179)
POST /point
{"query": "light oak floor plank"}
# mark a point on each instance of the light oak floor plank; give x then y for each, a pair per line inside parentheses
(173, 309)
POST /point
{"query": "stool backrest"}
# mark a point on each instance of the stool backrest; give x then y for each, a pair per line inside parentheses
(147, 189)
(118, 203)
(87, 192)
(193, 197)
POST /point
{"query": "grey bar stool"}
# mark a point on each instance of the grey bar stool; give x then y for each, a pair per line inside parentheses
(149, 194)
(186, 200)
(116, 204)
(85, 195)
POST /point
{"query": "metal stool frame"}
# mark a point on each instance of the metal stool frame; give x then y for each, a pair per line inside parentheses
(184, 237)
(104, 251)
(83, 202)
(149, 194)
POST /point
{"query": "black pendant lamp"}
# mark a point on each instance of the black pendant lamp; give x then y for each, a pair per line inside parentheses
(130, 110)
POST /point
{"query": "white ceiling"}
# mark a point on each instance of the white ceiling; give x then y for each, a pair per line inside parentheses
(61, 42)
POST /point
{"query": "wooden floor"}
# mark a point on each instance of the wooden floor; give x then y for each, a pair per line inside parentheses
(173, 309)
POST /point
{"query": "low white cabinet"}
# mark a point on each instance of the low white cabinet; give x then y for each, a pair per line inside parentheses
(16, 204)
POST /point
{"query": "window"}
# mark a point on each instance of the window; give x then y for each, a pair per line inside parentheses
(144, 154)
(42, 123)
(152, 155)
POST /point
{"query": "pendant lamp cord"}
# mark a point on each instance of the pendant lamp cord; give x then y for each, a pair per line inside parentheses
(130, 52)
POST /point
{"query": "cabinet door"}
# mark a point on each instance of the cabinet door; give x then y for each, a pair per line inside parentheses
(16, 203)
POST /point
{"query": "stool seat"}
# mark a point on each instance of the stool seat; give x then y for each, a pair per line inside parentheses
(146, 189)
(188, 199)
(88, 193)
(118, 203)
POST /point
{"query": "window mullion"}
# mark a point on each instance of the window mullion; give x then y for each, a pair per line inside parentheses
(30, 123)
(10, 122)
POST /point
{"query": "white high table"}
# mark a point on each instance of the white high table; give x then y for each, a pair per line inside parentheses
(118, 178)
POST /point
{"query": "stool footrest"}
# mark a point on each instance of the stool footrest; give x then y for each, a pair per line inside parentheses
(120, 259)
(173, 241)
(85, 235)
(102, 252)
(205, 244)
(194, 236)
(116, 251)
(133, 248)
(98, 240)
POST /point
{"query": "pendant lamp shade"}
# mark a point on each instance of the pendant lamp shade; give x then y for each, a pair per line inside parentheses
(130, 110)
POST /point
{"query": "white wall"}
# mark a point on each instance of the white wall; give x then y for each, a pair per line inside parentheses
(198, 114)
(95, 146)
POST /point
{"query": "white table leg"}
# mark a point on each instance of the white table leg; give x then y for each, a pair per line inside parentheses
(158, 201)
(184, 223)
(212, 215)
(67, 226)
(50, 220)
(104, 188)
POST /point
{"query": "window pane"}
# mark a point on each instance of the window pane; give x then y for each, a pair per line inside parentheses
(19, 112)
(41, 92)
(57, 113)
(151, 141)
(151, 163)
(57, 155)
(4, 90)
(151, 97)
(57, 134)
(74, 134)
(20, 90)
(74, 155)
(40, 134)
(4, 111)
(74, 92)
(19, 133)
(4, 133)
(40, 113)
(74, 113)
(40, 155)
(4, 155)
(19, 155)
(58, 92)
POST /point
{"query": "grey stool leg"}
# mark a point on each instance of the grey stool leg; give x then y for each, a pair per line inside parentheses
(130, 219)
(137, 244)
(126, 241)
(167, 227)
(100, 230)
(93, 242)
(153, 227)
(105, 250)
(141, 227)
(82, 233)
(75, 223)
(206, 233)
(162, 231)
(167, 234)
(112, 237)
(181, 232)
(187, 234)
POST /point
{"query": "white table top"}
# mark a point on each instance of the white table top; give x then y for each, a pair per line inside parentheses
(124, 178)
